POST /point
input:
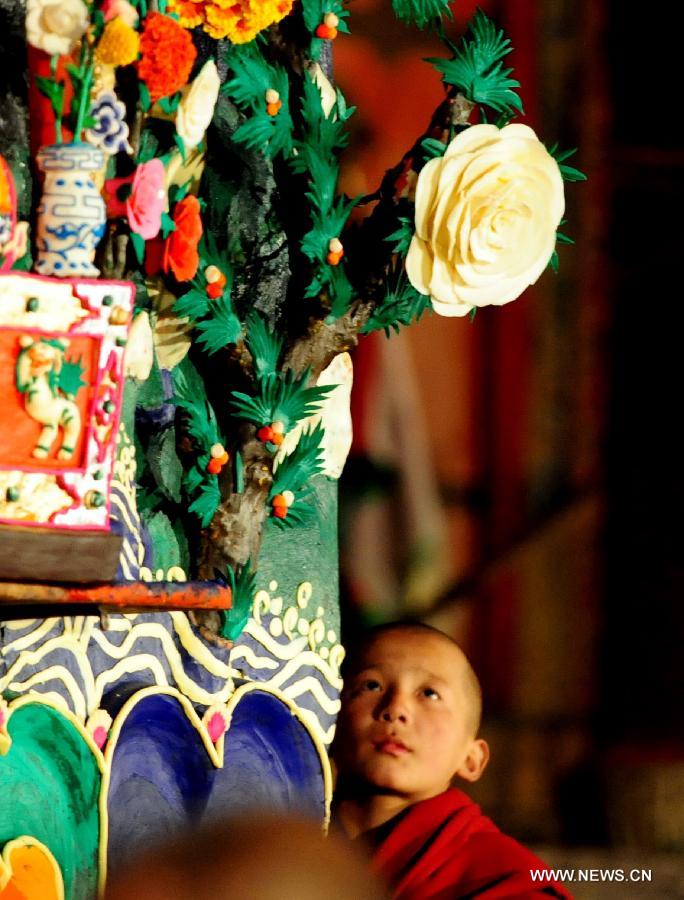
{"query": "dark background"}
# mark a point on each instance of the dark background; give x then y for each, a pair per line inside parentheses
(549, 438)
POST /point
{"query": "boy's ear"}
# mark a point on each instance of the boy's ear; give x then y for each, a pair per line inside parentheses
(475, 762)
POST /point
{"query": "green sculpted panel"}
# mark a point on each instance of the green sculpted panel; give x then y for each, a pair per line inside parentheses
(50, 779)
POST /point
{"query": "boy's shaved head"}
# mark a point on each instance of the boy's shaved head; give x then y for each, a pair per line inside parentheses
(358, 657)
(409, 715)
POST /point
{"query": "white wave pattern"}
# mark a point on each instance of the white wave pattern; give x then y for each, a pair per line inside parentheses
(75, 659)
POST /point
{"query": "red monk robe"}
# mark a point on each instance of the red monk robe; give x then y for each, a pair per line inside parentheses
(444, 848)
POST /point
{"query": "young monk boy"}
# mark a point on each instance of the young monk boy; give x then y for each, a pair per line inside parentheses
(408, 725)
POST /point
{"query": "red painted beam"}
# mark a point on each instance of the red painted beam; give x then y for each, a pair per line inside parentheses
(129, 596)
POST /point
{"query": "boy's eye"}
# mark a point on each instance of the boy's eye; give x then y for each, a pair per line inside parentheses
(430, 693)
(365, 685)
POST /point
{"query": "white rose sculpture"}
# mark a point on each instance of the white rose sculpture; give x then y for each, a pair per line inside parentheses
(55, 25)
(197, 105)
(486, 218)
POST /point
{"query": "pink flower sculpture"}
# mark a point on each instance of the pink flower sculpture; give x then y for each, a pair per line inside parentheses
(147, 202)
(100, 736)
(98, 724)
(216, 720)
(121, 8)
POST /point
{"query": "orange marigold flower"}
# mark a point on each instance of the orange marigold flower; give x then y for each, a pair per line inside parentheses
(168, 54)
(119, 44)
(190, 12)
(180, 250)
(5, 190)
(241, 20)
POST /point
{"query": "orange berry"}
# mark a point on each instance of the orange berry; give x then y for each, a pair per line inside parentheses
(223, 458)
(332, 34)
(277, 439)
(279, 500)
(214, 466)
(213, 273)
(333, 259)
(274, 108)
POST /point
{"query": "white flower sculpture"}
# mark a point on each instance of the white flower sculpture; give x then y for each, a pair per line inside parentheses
(55, 25)
(140, 348)
(486, 218)
(197, 105)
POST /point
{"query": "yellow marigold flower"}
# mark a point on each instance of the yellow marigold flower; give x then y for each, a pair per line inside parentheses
(119, 44)
(190, 12)
(283, 7)
(241, 21)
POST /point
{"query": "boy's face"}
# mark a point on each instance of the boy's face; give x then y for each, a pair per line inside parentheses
(407, 721)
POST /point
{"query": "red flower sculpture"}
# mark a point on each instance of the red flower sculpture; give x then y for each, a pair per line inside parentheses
(180, 250)
(167, 56)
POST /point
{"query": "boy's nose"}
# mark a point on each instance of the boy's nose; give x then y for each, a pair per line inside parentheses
(393, 709)
(392, 715)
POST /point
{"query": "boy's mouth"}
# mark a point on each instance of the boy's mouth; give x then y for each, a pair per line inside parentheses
(391, 746)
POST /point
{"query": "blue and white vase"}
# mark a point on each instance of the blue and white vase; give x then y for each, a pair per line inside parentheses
(71, 214)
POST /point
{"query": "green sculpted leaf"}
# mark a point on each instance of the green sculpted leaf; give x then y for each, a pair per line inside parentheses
(341, 292)
(433, 148)
(421, 12)
(281, 398)
(476, 68)
(164, 464)
(315, 11)
(251, 409)
(299, 514)
(222, 328)
(252, 77)
(567, 172)
(193, 305)
(54, 91)
(295, 401)
(401, 304)
(317, 157)
(151, 393)
(200, 424)
(264, 345)
(165, 550)
(71, 377)
(149, 145)
(201, 419)
(402, 236)
(206, 503)
(138, 246)
(296, 470)
(243, 586)
(255, 133)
